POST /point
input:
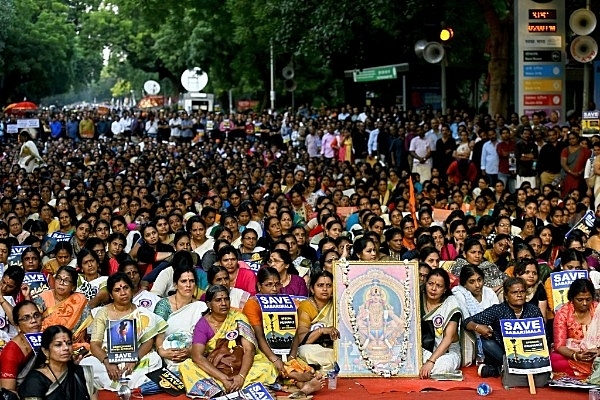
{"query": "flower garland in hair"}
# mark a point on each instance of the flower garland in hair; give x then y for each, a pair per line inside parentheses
(407, 306)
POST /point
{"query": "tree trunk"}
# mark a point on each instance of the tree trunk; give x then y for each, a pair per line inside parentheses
(499, 48)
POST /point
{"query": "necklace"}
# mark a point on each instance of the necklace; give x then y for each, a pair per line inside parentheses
(286, 281)
(119, 313)
(214, 323)
(57, 382)
(316, 304)
(177, 305)
(518, 314)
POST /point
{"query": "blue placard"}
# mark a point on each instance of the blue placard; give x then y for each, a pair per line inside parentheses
(564, 279)
(520, 328)
(276, 302)
(35, 340)
(37, 283)
(543, 71)
(61, 237)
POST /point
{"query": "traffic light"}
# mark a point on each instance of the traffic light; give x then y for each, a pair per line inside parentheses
(446, 34)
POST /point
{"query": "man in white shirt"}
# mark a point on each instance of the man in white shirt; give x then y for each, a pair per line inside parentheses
(421, 152)
(175, 125)
(116, 127)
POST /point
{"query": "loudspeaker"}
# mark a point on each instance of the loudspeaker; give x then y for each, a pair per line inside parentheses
(433, 52)
(290, 85)
(582, 22)
(584, 49)
(288, 72)
(420, 47)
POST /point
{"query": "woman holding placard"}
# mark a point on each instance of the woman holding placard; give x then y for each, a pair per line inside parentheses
(576, 331)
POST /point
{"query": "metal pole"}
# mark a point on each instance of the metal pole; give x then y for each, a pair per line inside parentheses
(586, 78)
(404, 92)
(272, 93)
(443, 84)
(230, 101)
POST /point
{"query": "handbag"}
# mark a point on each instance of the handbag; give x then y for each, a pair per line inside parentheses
(227, 359)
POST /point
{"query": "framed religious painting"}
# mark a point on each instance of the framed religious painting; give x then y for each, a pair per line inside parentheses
(378, 317)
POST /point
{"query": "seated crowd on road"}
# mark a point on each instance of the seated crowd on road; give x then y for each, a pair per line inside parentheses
(178, 221)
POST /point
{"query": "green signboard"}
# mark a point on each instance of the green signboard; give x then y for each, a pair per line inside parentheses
(375, 74)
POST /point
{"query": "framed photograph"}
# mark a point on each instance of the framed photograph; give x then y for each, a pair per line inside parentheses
(378, 316)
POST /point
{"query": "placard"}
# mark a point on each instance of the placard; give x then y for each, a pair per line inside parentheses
(255, 260)
(561, 282)
(256, 391)
(122, 346)
(37, 283)
(280, 321)
(585, 224)
(378, 317)
(590, 123)
(525, 345)
(34, 340)
(28, 123)
(61, 237)
(15, 255)
(167, 381)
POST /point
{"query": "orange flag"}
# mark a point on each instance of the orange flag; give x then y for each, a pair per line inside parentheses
(412, 201)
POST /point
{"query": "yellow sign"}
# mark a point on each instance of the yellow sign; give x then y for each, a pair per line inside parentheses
(542, 85)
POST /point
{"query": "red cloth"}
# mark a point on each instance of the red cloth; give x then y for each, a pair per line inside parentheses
(12, 361)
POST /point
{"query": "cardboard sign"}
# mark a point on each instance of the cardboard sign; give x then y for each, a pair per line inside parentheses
(168, 381)
(561, 282)
(256, 391)
(255, 260)
(280, 321)
(35, 340)
(28, 123)
(15, 255)
(37, 283)
(122, 344)
(525, 345)
(585, 224)
(590, 123)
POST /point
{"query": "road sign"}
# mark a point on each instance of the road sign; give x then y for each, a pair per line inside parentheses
(375, 74)
(542, 71)
(539, 100)
(542, 56)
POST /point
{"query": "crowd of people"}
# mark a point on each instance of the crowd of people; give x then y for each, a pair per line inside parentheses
(178, 221)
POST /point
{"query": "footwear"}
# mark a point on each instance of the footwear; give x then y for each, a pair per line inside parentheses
(487, 371)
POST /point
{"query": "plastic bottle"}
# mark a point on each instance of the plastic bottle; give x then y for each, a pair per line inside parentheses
(483, 389)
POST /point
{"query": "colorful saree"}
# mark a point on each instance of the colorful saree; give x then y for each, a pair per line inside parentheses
(261, 371)
(72, 312)
(438, 319)
(315, 354)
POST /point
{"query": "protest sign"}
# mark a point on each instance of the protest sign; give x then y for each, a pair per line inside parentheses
(122, 345)
(525, 345)
(561, 282)
(280, 321)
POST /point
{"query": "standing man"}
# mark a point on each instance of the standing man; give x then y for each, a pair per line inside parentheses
(506, 146)
(549, 160)
(327, 150)
(421, 152)
(527, 154)
(445, 147)
(489, 157)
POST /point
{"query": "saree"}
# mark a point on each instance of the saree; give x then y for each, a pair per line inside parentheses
(90, 289)
(148, 326)
(577, 337)
(261, 371)
(74, 384)
(181, 323)
(469, 306)
(576, 163)
(315, 354)
(72, 312)
(438, 319)
(29, 157)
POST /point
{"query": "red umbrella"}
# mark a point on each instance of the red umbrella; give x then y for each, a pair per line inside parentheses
(20, 107)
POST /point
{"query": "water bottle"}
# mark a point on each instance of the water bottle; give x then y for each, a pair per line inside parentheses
(480, 359)
(483, 389)
(124, 392)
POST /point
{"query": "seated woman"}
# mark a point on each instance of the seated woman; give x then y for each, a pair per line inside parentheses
(440, 339)
(316, 333)
(218, 275)
(304, 375)
(181, 311)
(241, 278)
(473, 254)
(56, 376)
(528, 269)
(63, 306)
(152, 252)
(222, 323)
(10, 287)
(149, 327)
(89, 280)
(576, 329)
(63, 255)
(473, 297)
(291, 282)
(487, 324)
(16, 359)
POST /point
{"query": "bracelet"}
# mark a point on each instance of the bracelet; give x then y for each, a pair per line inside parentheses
(575, 356)
(275, 360)
(104, 359)
(431, 361)
(476, 326)
(242, 375)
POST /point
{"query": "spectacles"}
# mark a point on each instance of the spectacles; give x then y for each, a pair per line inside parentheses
(503, 225)
(29, 317)
(63, 281)
(271, 285)
(331, 260)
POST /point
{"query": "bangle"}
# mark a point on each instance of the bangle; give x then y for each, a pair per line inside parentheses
(274, 360)
(104, 359)
(475, 330)
(575, 356)
(431, 361)
(242, 375)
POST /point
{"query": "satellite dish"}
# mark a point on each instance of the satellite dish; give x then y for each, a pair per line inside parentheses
(151, 87)
(194, 80)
